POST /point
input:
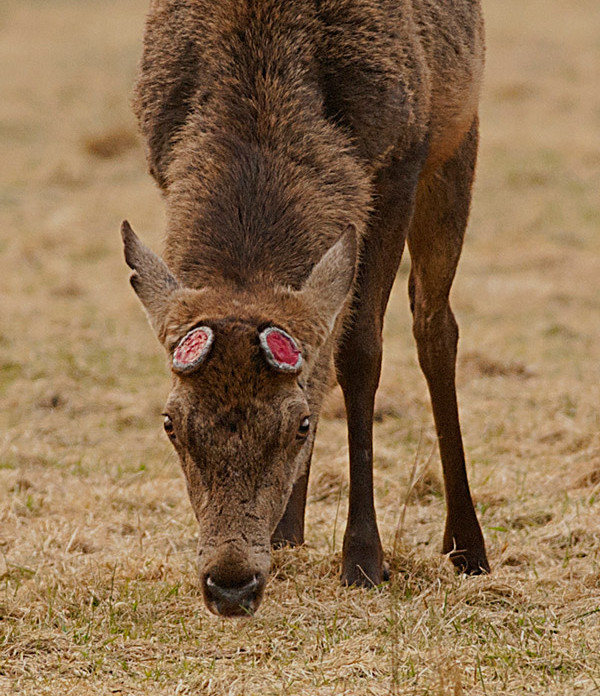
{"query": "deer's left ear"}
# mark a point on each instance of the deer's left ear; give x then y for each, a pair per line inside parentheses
(330, 281)
(152, 281)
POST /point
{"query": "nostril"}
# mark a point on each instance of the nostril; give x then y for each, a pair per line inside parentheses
(237, 588)
(233, 600)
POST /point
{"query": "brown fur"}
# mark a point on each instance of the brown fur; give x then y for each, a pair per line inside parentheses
(278, 131)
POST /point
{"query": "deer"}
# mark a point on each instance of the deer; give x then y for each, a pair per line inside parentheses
(299, 146)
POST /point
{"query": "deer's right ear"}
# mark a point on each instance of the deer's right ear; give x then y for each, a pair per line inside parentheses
(329, 284)
(151, 279)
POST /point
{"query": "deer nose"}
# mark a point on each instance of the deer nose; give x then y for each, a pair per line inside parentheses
(240, 599)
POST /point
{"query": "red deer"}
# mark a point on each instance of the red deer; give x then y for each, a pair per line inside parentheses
(298, 144)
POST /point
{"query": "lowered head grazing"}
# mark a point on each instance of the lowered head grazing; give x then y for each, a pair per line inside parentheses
(243, 407)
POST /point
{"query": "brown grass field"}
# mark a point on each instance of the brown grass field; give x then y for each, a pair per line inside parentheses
(98, 592)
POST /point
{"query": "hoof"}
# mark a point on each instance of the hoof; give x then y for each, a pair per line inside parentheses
(287, 536)
(362, 559)
(365, 575)
(466, 550)
(470, 563)
(357, 577)
(280, 543)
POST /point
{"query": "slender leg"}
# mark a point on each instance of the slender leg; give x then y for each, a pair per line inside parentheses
(362, 562)
(290, 530)
(435, 241)
(358, 360)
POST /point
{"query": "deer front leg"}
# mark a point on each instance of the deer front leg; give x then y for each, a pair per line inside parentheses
(358, 359)
(359, 365)
(290, 530)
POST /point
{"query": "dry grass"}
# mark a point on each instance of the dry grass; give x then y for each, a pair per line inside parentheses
(97, 540)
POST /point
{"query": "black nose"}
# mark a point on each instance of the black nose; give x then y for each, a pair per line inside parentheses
(236, 600)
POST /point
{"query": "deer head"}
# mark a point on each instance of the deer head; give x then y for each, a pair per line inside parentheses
(249, 371)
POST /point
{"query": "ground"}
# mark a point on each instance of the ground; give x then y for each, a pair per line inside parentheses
(98, 591)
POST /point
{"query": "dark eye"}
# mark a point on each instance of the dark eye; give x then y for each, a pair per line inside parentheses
(304, 428)
(169, 428)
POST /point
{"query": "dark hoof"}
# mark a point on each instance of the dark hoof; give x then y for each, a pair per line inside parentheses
(358, 577)
(287, 538)
(470, 563)
(287, 535)
(362, 560)
(279, 543)
(364, 575)
(467, 550)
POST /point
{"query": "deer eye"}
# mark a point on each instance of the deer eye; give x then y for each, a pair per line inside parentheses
(304, 428)
(169, 427)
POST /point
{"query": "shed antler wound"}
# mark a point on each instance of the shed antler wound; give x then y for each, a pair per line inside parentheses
(193, 348)
(281, 350)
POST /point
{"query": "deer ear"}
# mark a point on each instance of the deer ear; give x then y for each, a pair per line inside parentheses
(331, 279)
(151, 279)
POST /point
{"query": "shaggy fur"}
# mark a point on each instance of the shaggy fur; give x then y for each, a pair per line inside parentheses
(278, 131)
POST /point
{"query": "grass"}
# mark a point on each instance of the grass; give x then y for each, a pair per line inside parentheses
(98, 591)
